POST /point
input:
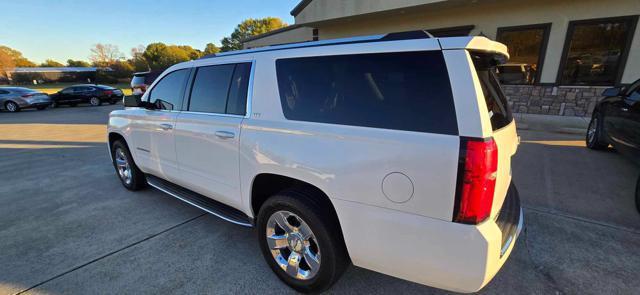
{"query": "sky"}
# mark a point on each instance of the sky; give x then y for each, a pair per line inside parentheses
(67, 29)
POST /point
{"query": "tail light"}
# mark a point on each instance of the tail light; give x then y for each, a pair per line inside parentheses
(107, 92)
(477, 173)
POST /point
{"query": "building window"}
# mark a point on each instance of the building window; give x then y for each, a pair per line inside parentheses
(527, 46)
(595, 51)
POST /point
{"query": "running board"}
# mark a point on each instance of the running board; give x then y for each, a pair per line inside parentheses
(209, 205)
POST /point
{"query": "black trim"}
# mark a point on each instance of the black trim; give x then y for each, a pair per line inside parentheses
(546, 30)
(509, 216)
(452, 31)
(299, 7)
(315, 35)
(633, 21)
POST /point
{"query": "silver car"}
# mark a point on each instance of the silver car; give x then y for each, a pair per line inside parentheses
(13, 99)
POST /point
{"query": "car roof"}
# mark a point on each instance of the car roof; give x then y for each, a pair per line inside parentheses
(91, 85)
(18, 89)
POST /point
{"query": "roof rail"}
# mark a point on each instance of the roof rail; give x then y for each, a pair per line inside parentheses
(363, 39)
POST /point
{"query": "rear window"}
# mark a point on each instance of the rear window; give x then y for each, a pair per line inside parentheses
(138, 80)
(497, 104)
(402, 91)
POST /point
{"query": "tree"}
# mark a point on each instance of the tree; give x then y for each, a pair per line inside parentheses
(160, 56)
(248, 28)
(102, 55)
(50, 63)
(121, 69)
(137, 60)
(77, 63)
(6, 65)
(211, 49)
(16, 57)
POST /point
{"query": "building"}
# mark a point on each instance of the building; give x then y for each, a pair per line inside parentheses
(51, 74)
(563, 52)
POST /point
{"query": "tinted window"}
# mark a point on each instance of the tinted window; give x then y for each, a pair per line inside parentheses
(168, 93)
(403, 91)
(595, 51)
(497, 104)
(237, 103)
(634, 91)
(3, 92)
(526, 47)
(210, 89)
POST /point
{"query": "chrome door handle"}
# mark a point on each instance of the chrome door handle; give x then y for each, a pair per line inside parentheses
(225, 134)
(166, 126)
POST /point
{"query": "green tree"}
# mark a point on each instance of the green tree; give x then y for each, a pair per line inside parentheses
(50, 63)
(248, 28)
(211, 49)
(137, 60)
(16, 57)
(78, 63)
(160, 56)
(121, 69)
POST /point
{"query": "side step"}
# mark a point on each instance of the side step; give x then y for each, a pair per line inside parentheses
(209, 205)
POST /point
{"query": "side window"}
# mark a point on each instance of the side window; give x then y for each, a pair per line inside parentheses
(168, 93)
(634, 92)
(237, 104)
(402, 91)
(68, 90)
(210, 89)
(3, 92)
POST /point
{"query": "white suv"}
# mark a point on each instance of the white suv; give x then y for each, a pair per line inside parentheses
(390, 152)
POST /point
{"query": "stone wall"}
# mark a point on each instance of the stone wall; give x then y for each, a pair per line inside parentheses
(553, 100)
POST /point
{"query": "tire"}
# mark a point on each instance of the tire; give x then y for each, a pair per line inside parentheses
(128, 173)
(94, 101)
(594, 136)
(298, 206)
(638, 195)
(11, 107)
(54, 105)
(40, 108)
(112, 102)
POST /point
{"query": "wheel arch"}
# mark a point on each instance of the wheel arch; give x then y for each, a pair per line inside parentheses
(265, 185)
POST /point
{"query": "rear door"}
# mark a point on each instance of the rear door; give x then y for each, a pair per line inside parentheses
(207, 134)
(153, 129)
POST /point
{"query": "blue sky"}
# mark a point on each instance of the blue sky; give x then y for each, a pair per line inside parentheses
(64, 29)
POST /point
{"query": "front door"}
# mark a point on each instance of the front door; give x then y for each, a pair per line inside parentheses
(153, 129)
(208, 134)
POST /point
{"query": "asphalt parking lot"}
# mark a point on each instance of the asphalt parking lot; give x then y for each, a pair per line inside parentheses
(67, 226)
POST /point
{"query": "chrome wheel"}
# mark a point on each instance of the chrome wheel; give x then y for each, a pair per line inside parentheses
(123, 167)
(293, 245)
(592, 130)
(11, 106)
(94, 101)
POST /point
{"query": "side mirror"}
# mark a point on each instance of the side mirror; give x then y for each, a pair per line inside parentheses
(132, 101)
(613, 91)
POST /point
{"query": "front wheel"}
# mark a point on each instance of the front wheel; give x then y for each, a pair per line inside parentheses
(301, 242)
(594, 133)
(130, 175)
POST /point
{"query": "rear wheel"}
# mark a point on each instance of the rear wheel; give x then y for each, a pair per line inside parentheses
(594, 133)
(130, 175)
(300, 241)
(94, 101)
(11, 107)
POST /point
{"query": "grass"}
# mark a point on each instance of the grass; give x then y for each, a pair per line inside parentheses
(55, 87)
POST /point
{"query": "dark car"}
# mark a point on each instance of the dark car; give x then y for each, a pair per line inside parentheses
(95, 95)
(616, 122)
(13, 99)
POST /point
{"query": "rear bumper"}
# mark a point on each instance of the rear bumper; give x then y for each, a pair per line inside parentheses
(446, 255)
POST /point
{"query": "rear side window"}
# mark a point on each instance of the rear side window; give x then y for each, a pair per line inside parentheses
(402, 91)
(238, 89)
(210, 88)
(167, 94)
(497, 105)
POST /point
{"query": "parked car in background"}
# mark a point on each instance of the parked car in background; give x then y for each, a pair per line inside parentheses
(616, 121)
(13, 99)
(93, 94)
(142, 80)
(516, 73)
(392, 152)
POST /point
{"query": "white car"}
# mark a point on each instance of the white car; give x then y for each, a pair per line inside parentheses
(391, 152)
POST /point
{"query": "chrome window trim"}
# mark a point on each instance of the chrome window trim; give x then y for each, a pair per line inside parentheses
(212, 114)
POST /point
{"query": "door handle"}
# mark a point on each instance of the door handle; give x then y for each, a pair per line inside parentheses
(625, 109)
(225, 134)
(166, 126)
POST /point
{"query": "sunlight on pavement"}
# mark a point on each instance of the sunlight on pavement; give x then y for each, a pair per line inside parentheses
(579, 143)
(53, 133)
